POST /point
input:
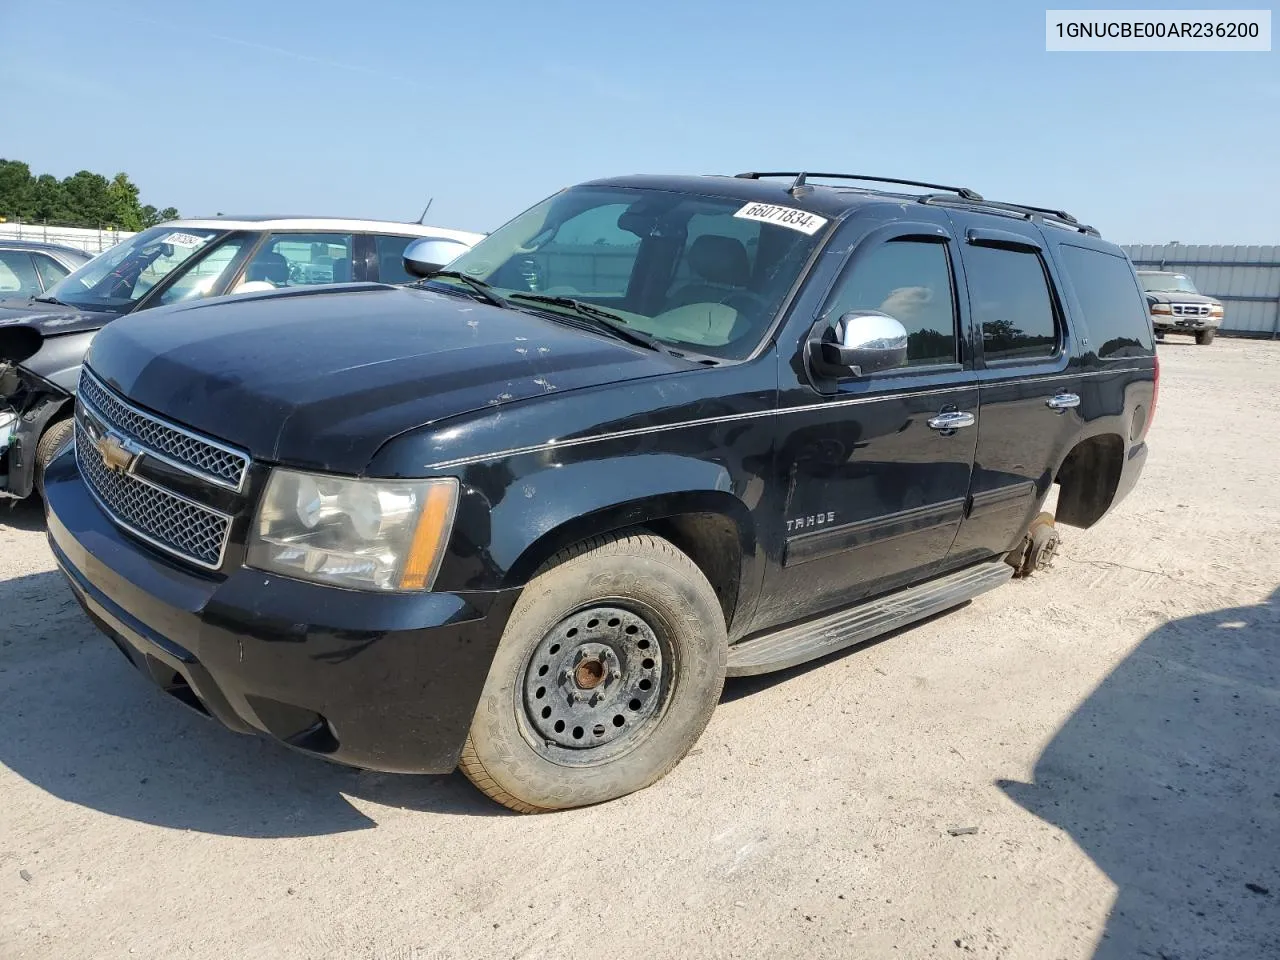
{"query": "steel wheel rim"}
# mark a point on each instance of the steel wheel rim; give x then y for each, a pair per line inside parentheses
(595, 686)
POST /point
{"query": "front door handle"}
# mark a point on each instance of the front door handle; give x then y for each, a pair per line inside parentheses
(1063, 401)
(952, 420)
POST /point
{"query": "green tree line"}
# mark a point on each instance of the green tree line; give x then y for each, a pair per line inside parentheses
(83, 199)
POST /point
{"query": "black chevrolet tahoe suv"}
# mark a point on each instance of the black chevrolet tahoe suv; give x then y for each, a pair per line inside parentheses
(524, 516)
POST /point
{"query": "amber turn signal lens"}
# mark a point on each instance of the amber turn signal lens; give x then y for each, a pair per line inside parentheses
(430, 538)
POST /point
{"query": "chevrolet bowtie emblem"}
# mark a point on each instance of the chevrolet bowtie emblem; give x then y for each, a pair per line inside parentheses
(117, 453)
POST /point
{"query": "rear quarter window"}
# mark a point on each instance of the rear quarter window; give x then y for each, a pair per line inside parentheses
(1115, 310)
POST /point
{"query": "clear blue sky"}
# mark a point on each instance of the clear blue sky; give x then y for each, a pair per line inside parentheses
(370, 108)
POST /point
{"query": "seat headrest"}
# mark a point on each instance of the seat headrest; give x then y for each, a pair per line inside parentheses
(720, 260)
(269, 265)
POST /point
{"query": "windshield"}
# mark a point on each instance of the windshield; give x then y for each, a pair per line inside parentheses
(1167, 283)
(706, 272)
(117, 279)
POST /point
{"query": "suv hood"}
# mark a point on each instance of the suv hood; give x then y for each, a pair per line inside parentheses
(51, 318)
(321, 379)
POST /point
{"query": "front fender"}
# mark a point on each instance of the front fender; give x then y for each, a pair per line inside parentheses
(554, 507)
(508, 525)
(59, 359)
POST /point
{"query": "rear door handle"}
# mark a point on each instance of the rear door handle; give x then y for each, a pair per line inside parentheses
(952, 420)
(1063, 401)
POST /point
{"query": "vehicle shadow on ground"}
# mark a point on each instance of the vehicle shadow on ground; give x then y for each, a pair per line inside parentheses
(22, 514)
(1168, 777)
(79, 722)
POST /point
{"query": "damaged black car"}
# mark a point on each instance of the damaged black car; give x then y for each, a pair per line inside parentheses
(44, 338)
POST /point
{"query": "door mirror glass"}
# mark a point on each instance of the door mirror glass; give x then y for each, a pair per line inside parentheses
(861, 342)
(425, 256)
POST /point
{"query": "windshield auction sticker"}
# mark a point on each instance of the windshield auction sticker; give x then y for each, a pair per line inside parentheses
(183, 240)
(787, 217)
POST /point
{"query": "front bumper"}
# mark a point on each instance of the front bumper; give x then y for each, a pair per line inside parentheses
(1165, 324)
(385, 682)
(32, 402)
(8, 427)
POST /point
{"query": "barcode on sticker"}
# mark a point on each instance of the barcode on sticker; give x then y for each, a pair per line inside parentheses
(789, 217)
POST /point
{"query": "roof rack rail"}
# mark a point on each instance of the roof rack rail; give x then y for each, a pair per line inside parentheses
(1025, 210)
(801, 178)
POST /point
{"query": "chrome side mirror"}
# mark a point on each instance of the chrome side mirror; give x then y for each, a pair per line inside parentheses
(426, 255)
(861, 342)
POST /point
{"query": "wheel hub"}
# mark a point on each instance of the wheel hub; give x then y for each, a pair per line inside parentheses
(590, 673)
(595, 680)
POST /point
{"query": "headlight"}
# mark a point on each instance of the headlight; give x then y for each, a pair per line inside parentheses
(361, 534)
(1215, 310)
(1162, 309)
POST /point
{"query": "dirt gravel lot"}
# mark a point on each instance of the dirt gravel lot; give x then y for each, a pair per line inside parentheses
(1111, 728)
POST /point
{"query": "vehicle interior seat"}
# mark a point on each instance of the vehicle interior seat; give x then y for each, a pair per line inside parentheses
(722, 267)
(342, 270)
(269, 266)
(391, 268)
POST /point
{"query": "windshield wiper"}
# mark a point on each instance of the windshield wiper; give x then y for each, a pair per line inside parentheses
(483, 290)
(47, 299)
(607, 319)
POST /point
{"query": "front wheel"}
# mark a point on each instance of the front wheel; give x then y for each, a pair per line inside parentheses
(607, 673)
(51, 443)
(1205, 337)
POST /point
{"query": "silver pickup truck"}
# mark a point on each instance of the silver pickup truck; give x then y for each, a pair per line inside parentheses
(1178, 307)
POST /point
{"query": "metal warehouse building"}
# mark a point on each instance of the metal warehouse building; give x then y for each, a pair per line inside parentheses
(1245, 279)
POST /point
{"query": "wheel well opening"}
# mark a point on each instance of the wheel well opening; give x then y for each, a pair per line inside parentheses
(711, 541)
(1088, 480)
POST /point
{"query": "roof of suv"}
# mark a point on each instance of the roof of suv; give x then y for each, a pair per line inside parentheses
(835, 200)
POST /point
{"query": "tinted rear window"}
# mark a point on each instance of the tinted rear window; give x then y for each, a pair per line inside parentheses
(1010, 298)
(1115, 311)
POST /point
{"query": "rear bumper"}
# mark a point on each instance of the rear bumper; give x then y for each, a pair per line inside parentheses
(385, 682)
(1134, 462)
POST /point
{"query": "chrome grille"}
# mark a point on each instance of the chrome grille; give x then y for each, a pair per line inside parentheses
(171, 522)
(1190, 309)
(204, 458)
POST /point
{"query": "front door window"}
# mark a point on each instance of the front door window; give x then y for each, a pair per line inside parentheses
(298, 260)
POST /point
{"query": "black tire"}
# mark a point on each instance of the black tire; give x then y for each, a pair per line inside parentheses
(1205, 337)
(658, 589)
(1159, 334)
(51, 442)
